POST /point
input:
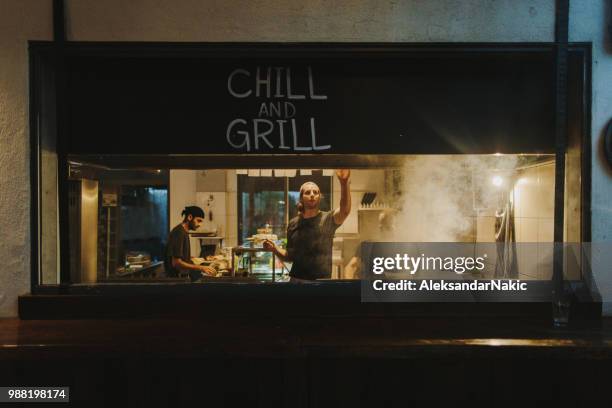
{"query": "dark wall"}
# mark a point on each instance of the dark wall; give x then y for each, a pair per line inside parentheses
(377, 101)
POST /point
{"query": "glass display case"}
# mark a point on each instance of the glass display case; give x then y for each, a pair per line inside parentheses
(258, 262)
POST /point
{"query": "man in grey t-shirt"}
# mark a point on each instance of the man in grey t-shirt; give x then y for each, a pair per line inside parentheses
(311, 233)
(178, 251)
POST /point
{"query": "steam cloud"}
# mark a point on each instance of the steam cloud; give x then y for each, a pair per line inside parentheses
(441, 196)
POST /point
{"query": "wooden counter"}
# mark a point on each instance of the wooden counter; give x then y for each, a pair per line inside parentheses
(311, 362)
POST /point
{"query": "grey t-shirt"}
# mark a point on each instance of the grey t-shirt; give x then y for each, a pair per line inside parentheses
(179, 247)
(309, 245)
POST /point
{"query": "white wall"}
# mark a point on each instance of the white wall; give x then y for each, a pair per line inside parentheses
(212, 183)
(20, 21)
(235, 20)
(311, 20)
(590, 21)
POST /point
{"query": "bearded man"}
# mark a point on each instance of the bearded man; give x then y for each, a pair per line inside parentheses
(310, 234)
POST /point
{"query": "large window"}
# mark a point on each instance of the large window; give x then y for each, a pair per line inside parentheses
(120, 218)
(121, 145)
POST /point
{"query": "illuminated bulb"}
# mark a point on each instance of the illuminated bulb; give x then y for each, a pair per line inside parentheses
(497, 181)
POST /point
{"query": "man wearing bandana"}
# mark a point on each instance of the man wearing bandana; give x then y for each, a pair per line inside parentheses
(310, 234)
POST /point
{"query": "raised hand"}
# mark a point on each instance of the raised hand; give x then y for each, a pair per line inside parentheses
(343, 174)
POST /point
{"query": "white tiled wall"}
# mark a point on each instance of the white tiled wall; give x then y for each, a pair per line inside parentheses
(214, 209)
(225, 182)
(534, 219)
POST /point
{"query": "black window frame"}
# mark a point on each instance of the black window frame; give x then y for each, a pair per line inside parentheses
(46, 71)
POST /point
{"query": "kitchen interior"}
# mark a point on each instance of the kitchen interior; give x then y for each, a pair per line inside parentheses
(120, 217)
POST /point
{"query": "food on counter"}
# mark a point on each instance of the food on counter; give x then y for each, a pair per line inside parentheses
(215, 257)
(219, 262)
(133, 258)
(198, 261)
(258, 239)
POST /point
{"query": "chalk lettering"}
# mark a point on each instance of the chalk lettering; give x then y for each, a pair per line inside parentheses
(259, 82)
(275, 109)
(289, 94)
(229, 83)
(278, 93)
(270, 79)
(245, 135)
(289, 107)
(257, 134)
(263, 110)
(311, 87)
(314, 137)
(265, 133)
(295, 139)
(281, 132)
